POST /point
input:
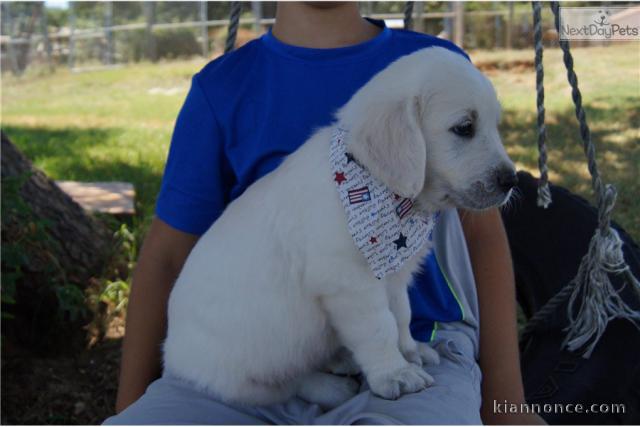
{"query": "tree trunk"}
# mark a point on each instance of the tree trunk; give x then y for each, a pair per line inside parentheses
(51, 249)
(84, 241)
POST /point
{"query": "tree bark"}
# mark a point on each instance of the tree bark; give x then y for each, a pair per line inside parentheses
(52, 253)
(84, 242)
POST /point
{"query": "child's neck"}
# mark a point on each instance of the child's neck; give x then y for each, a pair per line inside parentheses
(322, 25)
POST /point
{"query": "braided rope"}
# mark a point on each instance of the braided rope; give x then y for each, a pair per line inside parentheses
(234, 21)
(600, 301)
(408, 15)
(544, 194)
(545, 312)
(585, 133)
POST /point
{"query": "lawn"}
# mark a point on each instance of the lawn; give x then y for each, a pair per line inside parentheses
(101, 125)
(609, 78)
(116, 124)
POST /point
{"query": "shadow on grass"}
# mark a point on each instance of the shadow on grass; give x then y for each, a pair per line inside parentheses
(70, 153)
(66, 154)
(614, 130)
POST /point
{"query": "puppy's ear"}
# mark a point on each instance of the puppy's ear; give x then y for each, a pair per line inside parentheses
(388, 141)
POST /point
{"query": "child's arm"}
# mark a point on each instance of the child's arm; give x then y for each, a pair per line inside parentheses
(499, 353)
(161, 258)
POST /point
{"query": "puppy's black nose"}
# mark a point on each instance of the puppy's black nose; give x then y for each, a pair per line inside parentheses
(507, 179)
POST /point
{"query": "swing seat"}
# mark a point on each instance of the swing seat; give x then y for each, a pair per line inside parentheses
(547, 246)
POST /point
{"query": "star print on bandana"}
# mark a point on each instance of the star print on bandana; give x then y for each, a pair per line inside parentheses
(385, 227)
(349, 157)
(401, 242)
(339, 177)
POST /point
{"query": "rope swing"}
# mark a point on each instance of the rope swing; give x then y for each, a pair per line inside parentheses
(593, 300)
(234, 22)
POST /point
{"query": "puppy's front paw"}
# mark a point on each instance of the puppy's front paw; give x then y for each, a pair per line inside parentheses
(408, 379)
(427, 354)
(413, 356)
(421, 353)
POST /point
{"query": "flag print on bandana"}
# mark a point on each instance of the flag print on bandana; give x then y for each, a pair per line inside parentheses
(385, 227)
(404, 208)
(359, 195)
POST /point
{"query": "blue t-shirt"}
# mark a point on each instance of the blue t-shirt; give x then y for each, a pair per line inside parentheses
(250, 108)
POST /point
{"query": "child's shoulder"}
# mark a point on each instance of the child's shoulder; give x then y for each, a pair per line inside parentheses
(228, 71)
(231, 62)
(414, 41)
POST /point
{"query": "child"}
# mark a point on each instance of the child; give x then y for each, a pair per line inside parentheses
(245, 112)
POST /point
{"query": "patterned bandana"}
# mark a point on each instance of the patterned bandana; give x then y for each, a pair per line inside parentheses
(384, 226)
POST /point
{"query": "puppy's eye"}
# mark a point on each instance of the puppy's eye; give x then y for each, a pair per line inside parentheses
(464, 130)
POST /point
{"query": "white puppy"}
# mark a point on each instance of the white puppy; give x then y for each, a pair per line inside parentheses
(276, 286)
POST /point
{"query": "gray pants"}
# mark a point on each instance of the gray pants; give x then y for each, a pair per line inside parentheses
(453, 399)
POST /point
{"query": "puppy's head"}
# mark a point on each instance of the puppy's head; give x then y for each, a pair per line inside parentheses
(427, 127)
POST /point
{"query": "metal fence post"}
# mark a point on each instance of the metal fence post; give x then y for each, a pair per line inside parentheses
(458, 31)
(418, 25)
(256, 8)
(509, 27)
(204, 30)
(497, 25)
(108, 32)
(150, 15)
(72, 43)
(45, 36)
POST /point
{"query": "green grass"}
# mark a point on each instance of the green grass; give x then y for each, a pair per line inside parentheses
(108, 125)
(99, 125)
(609, 78)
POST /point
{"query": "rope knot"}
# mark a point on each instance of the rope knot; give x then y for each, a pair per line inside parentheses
(599, 300)
(609, 250)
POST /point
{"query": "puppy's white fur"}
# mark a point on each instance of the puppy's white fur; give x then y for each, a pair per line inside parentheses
(276, 286)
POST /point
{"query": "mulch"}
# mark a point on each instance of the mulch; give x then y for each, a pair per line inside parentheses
(69, 389)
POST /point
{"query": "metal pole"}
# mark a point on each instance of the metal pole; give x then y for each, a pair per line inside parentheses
(150, 14)
(497, 26)
(45, 37)
(510, 26)
(418, 26)
(256, 8)
(72, 26)
(448, 23)
(459, 23)
(6, 15)
(108, 33)
(204, 29)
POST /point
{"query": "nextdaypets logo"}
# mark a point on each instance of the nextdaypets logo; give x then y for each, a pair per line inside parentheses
(600, 23)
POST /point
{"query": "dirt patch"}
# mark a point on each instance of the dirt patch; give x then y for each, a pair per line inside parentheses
(78, 389)
(516, 66)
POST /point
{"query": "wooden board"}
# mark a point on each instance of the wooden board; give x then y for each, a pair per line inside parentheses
(108, 197)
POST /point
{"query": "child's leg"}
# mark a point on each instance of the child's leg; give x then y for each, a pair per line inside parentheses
(169, 401)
